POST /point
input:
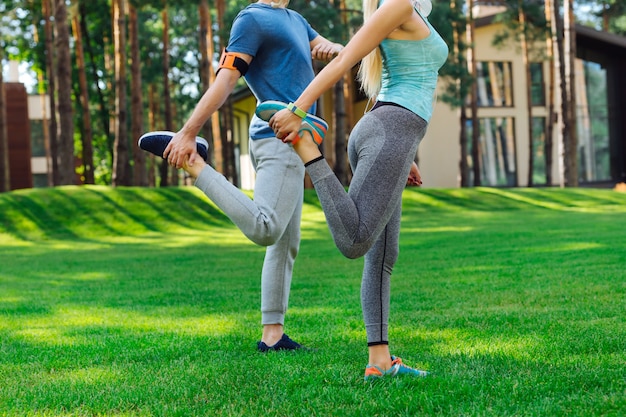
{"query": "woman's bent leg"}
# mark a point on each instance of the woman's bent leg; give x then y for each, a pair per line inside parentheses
(381, 150)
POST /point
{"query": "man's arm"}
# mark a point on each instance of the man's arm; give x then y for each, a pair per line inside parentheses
(183, 144)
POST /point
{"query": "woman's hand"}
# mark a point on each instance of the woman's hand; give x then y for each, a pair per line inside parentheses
(415, 177)
(285, 125)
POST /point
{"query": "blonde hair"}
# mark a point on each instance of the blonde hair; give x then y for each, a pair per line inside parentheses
(371, 69)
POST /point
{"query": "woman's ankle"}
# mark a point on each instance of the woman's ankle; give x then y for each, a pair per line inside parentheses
(195, 169)
(306, 149)
(379, 355)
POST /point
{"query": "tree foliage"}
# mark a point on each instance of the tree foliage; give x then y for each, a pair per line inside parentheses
(22, 38)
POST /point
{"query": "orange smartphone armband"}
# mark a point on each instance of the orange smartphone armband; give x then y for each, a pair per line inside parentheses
(233, 60)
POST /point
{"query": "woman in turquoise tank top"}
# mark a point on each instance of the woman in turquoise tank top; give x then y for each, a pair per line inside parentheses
(401, 55)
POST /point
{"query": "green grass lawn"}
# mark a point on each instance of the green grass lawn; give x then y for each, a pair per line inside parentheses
(145, 302)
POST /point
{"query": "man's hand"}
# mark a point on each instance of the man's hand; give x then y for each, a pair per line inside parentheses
(325, 51)
(415, 177)
(181, 150)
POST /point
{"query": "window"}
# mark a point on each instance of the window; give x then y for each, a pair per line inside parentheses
(497, 151)
(40, 180)
(495, 85)
(592, 122)
(539, 150)
(537, 89)
(38, 147)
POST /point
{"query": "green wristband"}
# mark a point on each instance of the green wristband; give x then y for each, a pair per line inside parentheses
(298, 112)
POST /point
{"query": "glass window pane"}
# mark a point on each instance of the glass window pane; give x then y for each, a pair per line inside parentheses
(592, 122)
(537, 86)
(40, 180)
(38, 147)
(497, 151)
(539, 154)
(495, 86)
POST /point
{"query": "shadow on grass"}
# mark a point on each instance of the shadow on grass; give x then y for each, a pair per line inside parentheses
(89, 211)
(486, 199)
(25, 217)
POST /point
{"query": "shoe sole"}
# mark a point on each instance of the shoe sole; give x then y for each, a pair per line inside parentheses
(156, 142)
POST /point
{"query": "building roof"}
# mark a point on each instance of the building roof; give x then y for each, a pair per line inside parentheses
(604, 37)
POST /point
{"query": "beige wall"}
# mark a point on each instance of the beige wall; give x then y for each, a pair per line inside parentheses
(440, 153)
(37, 104)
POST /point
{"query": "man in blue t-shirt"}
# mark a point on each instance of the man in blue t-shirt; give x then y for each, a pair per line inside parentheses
(273, 48)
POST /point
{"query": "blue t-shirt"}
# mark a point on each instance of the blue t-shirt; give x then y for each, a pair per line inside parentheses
(278, 39)
(410, 71)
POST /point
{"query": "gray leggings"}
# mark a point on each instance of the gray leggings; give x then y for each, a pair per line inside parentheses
(271, 219)
(365, 221)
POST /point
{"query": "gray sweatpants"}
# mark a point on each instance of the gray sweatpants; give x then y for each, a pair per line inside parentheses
(365, 221)
(271, 218)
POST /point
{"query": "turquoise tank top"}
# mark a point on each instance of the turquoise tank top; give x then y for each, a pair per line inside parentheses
(410, 71)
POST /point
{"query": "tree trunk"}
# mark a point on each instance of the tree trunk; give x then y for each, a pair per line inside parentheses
(571, 140)
(458, 58)
(167, 100)
(140, 173)
(471, 62)
(550, 41)
(47, 6)
(103, 109)
(121, 168)
(153, 110)
(529, 96)
(343, 110)
(222, 158)
(222, 122)
(67, 174)
(228, 145)
(341, 131)
(5, 178)
(206, 58)
(87, 137)
(560, 70)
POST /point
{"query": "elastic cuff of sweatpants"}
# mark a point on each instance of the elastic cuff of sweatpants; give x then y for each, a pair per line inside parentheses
(273, 318)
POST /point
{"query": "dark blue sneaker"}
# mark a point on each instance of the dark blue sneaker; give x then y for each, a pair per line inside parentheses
(156, 142)
(285, 343)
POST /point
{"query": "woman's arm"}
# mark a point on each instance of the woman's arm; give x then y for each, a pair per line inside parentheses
(391, 15)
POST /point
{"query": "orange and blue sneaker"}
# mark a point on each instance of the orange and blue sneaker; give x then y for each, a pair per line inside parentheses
(156, 142)
(311, 124)
(373, 372)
